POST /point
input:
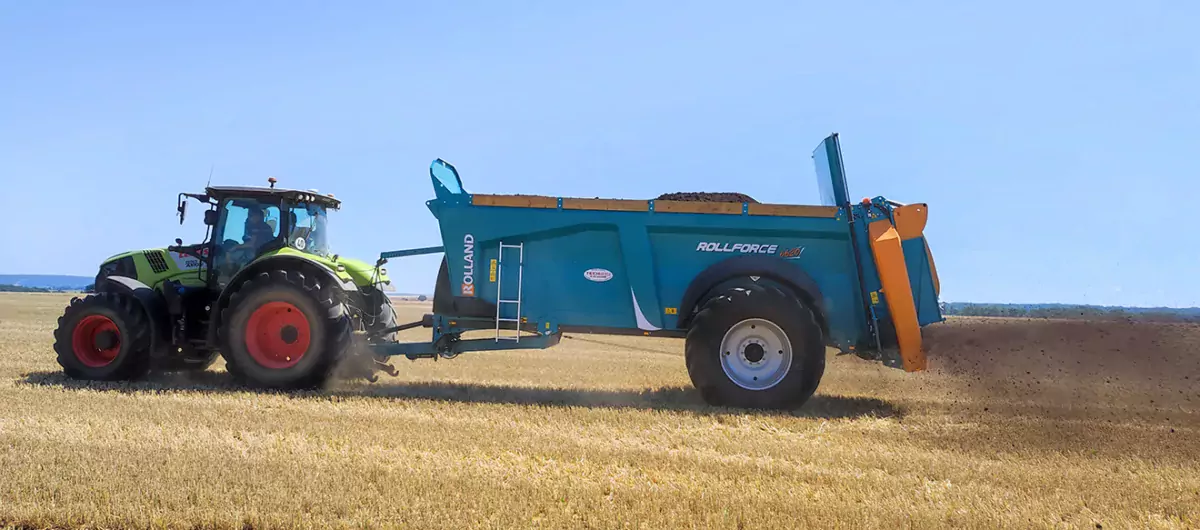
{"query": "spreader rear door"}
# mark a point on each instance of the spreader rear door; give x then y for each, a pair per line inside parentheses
(831, 178)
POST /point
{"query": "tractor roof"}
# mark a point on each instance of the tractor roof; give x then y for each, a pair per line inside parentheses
(223, 192)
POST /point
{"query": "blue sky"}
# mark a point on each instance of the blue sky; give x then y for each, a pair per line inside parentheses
(1055, 142)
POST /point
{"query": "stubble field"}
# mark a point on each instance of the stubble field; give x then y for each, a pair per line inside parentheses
(1027, 424)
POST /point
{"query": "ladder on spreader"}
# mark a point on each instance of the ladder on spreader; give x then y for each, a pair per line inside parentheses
(501, 331)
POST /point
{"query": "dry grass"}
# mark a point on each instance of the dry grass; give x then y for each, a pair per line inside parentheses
(1100, 428)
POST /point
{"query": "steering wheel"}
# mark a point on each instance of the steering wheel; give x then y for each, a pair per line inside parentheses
(231, 248)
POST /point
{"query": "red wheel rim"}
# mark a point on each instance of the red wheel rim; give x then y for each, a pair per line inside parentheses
(96, 341)
(277, 335)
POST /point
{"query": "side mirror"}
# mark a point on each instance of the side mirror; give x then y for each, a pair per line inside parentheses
(182, 209)
(210, 217)
(179, 241)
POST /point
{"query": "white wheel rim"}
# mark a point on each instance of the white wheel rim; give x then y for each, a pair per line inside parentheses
(756, 354)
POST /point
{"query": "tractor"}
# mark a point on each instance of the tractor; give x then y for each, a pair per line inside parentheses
(264, 290)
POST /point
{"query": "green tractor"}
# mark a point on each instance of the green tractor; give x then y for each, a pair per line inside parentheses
(263, 290)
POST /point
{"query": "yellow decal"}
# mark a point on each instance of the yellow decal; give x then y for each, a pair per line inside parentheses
(874, 297)
(671, 310)
(492, 272)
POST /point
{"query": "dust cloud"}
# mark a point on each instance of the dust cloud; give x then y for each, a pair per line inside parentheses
(1070, 362)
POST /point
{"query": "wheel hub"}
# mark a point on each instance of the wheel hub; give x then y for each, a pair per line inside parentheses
(105, 339)
(756, 354)
(96, 341)
(277, 335)
(289, 334)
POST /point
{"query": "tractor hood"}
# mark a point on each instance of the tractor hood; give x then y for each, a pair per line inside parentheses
(152, 266)
(158, 259)
(126, 254)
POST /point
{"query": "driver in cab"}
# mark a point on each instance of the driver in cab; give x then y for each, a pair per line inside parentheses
(257, 231)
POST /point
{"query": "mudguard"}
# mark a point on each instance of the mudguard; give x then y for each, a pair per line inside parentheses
(780, 271)
(152, 303)
(276, 262)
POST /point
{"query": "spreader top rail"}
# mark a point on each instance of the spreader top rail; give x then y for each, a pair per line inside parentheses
(659, 206)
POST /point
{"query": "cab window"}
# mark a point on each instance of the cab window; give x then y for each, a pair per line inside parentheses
(245, 228)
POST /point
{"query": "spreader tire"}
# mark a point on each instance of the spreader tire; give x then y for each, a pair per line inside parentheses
(103, 337)
(755, 346)
(281, 330)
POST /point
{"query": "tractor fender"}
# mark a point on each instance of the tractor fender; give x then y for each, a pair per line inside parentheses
(786, 274)
(151, 301)
(305, 265)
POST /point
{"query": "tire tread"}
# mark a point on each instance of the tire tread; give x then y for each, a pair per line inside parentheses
(133, 324)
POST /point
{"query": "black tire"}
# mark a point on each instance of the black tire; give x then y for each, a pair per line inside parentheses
(443, 303)
(377, 312)
(276, 357)
(103, 337)
(796, 381)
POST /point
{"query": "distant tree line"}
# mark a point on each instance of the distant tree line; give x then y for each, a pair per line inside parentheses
(5, 288)
(9, 288)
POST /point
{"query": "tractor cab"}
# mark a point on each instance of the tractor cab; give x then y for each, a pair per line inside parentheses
(247, 222)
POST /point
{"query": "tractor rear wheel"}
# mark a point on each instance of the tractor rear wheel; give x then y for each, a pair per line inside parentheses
(103, 337)
(755, 346)
(282, 331)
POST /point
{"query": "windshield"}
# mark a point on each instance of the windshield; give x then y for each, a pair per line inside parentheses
(307, 231)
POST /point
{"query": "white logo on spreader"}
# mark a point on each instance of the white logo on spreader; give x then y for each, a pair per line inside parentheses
(468, 278)
(598, 275)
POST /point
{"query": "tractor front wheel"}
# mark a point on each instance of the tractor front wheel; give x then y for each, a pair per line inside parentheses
(281, 331)
(755, 346)
(103, 337)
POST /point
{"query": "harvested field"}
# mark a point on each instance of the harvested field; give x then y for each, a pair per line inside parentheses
(1018, 424)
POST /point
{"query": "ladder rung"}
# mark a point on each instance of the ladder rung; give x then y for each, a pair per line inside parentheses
(500, 301)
